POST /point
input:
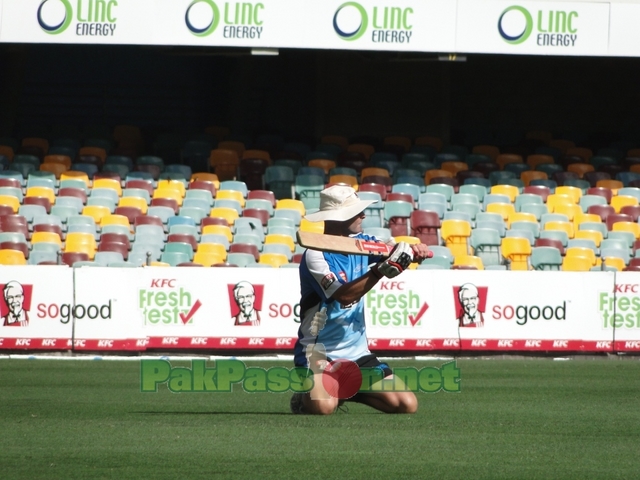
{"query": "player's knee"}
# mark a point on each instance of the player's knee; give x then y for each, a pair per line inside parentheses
(323, 407)
(407, 403)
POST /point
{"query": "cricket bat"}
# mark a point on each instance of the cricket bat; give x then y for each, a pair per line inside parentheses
(346, 245)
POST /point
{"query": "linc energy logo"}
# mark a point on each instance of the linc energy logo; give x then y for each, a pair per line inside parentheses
(241, 20)
(95, 17)
(555, 28)
(390, 24)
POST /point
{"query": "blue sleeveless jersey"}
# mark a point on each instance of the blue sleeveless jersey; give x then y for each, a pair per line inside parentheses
(321, 274)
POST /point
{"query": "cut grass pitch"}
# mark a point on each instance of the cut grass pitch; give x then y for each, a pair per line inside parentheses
(529, 418)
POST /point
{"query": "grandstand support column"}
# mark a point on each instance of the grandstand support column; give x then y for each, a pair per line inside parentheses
(12, 65)
(445, 101)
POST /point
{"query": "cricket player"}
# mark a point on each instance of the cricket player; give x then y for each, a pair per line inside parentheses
(333, 287)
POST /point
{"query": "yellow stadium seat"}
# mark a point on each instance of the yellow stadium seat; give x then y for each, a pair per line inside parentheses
(571, 211)
(99, 152)
(627, 227)
(111, 183)
(346, 179)
(231, 195)
(613, 185)
(314, 227)
(509, 190)
(371, 171)
(206, 177)
(576, 264)
(323, 163)
(435, 173)
(454, 167)
(273, 259)
(56, 168)
(61, 159)
(113, 219)
(455, 234)
(81, 242)
(619, 201)
(229, 214)
(280, 238)
(506, 158)
(538, 159)
(529, 175)
(522, 217)
(172, 185)
(582, 252)
(517, 251)
(574, 192)
(504, 209)
(7, 151)
(594, 235)
(469, 261)
(137, 202)
(208, 258)
(615, 262)
(75, 175)
(11, 201)
(50, 237)
(556, 199)
(291, 204)
(490, 151)
(168, 193)
(156, 263)
(234, 145)
(586, 217)
(39, 142)
(580, 168)
(219, 230)
(559, 225)
(364, 149)
(97, 212)
(12, 257)
(585, 153)
(216, 249)
(42, 192)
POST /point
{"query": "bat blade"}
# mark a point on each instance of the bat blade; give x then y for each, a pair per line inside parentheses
(345, 245)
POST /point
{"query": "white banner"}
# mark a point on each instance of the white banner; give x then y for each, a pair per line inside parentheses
(36, 305)
(445, 26)
(533, 28)
(111, 309)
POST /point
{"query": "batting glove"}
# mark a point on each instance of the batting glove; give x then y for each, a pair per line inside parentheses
(318, 322)
(397, 262)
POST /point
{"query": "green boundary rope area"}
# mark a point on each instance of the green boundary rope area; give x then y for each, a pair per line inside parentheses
(224, 374)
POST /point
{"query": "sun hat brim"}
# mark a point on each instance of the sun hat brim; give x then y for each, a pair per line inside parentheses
(340, 214)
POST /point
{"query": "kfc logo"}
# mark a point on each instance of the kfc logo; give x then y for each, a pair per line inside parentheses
(471, 302)
(245, 302)
(16, 305)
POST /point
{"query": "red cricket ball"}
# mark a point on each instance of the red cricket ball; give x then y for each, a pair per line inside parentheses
(342, 378)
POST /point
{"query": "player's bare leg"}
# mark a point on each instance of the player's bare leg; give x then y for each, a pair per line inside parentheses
(389, 402)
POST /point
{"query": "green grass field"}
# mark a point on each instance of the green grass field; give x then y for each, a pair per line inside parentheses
(522, 418)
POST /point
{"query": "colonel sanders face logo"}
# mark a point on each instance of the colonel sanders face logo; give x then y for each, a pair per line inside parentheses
(17, 302)
(470, 305)
(245, 301)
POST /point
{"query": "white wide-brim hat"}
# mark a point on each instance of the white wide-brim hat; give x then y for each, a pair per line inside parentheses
(337, 204)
